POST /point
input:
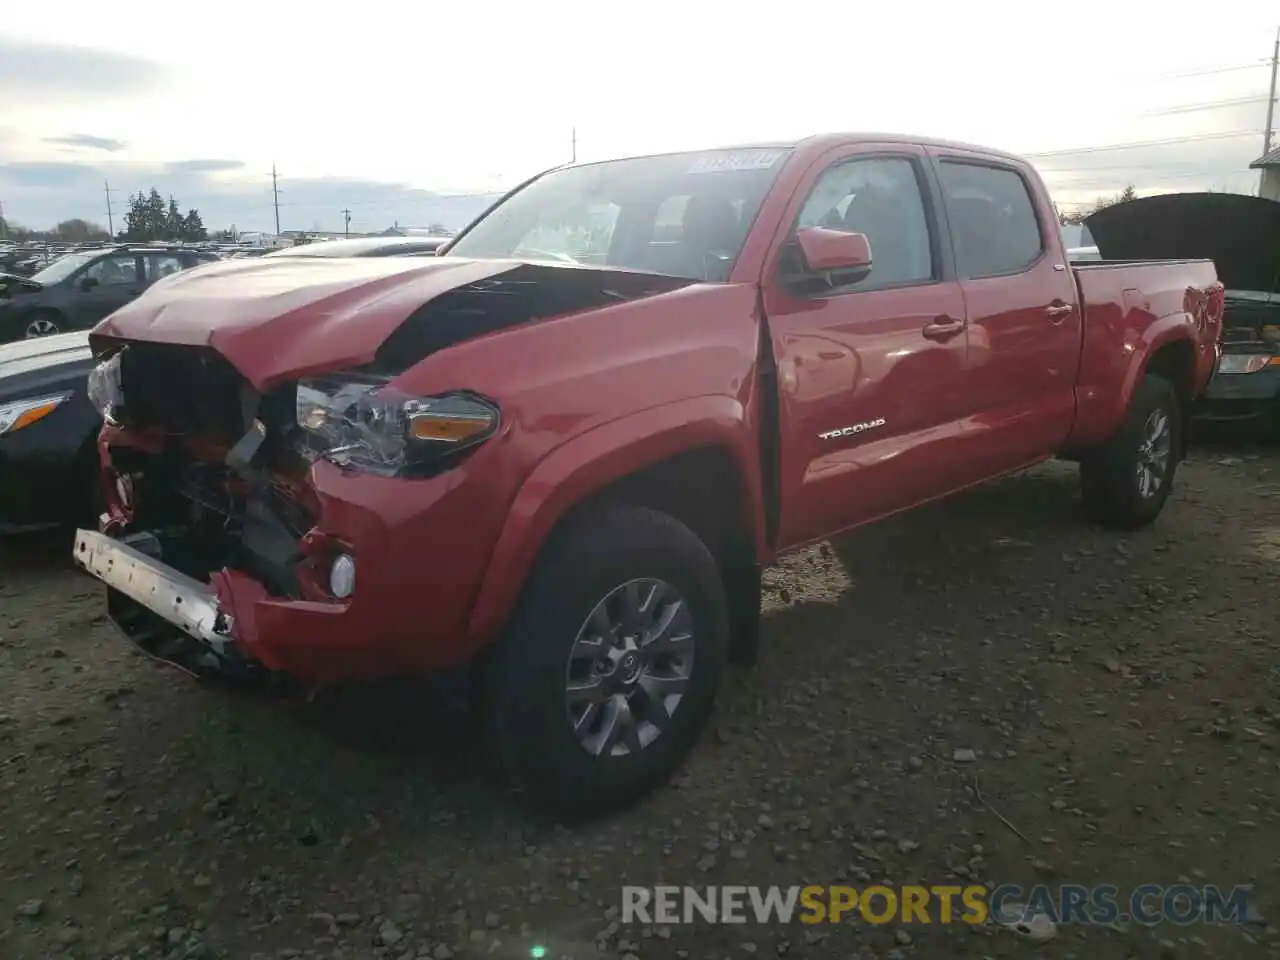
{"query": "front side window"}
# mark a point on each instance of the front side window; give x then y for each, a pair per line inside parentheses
(114, 271)
(881, 198)
(994, 226)
(683, 215)
(62, 268)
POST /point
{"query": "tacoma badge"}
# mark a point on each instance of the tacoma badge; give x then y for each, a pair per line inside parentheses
(850, 431)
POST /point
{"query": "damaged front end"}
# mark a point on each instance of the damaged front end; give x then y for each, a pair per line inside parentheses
(200, 486)
(209, 508)
(271, 438)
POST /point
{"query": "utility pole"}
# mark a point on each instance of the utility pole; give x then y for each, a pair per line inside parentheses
(573, 146)
(275, 194)
(1271, 100)
(111, 224)
(1271, 111)
(346, 218)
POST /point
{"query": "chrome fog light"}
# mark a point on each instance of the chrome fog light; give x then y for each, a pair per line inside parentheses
(342, 576)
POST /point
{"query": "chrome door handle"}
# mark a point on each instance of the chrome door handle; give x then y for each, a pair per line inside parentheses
(1058, 311)
(943, 328)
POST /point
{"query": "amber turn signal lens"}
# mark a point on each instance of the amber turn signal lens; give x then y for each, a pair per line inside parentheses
(448, 429)
(32, 415)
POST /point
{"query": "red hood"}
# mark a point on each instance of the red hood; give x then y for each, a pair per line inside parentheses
(280, 319)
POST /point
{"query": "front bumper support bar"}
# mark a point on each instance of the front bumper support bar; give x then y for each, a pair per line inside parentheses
(180, 600)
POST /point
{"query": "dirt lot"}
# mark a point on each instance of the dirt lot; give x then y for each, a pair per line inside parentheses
(1119, 694)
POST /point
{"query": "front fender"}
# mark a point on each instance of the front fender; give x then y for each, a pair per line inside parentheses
(589, 462)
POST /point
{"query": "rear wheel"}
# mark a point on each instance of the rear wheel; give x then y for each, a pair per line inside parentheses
(1127, 480)
(610, 667)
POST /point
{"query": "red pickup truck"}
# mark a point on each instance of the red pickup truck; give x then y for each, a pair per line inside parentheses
(561, 453)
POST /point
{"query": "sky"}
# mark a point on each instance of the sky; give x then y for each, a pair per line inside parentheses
(414, 113)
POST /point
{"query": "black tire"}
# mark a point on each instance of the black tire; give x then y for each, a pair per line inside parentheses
(525, 677)
(1109, 474)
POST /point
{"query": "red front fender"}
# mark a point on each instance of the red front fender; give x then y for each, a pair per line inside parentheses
(588, 463)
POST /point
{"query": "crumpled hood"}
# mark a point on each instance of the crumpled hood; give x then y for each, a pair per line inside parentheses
(1239, 233)
(280, 319)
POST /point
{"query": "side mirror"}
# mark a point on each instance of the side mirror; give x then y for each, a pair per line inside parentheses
(844, 257)
(87, 284)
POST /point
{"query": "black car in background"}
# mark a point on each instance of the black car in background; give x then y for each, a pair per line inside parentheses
(47, 433)
(48, 430)
(80, 289)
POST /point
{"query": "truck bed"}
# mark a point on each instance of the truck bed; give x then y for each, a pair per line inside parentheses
(1129, 306)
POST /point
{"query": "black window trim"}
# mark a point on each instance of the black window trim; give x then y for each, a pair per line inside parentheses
(990, 164)
(929, 201)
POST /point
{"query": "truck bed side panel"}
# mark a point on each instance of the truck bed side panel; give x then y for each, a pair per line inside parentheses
(1130, 311)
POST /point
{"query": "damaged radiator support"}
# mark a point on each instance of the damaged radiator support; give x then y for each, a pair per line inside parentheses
(207, 501)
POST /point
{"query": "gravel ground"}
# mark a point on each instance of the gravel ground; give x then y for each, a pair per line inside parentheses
(1119, 695)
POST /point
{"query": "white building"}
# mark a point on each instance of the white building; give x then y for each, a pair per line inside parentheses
(1269, 164)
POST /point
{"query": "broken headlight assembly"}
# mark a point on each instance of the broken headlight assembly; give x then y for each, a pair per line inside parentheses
(104, 389)
(361, 423)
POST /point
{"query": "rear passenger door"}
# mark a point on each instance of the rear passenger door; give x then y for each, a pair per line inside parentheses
(1020, 300)
(870, 375)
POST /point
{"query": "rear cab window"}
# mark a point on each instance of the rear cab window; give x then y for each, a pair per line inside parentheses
(994, 227)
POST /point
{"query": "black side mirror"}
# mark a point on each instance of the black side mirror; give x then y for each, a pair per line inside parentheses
(87, 284)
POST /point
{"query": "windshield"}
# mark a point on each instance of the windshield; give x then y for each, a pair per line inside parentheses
(59, 270)
(683, 215)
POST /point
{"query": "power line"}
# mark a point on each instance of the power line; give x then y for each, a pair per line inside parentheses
(1210, 105)
(1087, 183)
(1212, 71)
(1139, 144)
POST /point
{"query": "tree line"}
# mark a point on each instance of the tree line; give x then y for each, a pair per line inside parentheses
(1079, 216)
(148, 218)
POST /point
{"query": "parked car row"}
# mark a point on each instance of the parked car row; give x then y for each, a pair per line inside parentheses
(559, 455)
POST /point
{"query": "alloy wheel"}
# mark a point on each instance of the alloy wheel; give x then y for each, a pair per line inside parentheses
(629, 667)
(1153, 453)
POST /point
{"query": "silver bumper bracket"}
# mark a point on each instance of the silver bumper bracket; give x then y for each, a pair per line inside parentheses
(188, 604)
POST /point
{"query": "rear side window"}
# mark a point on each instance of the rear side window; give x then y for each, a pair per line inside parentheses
(994, 227)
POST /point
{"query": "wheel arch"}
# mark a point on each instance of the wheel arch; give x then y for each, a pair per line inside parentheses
(694, 460)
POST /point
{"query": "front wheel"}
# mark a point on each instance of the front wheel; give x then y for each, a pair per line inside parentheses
(42, 323)
(609, 670)
(1127, 480)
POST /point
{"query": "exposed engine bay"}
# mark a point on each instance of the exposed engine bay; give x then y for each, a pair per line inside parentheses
(209, 469)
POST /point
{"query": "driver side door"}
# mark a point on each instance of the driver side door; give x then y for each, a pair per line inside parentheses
(870, 375)
(113, 281)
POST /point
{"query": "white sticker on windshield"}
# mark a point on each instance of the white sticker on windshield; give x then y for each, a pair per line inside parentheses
(738, 160)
